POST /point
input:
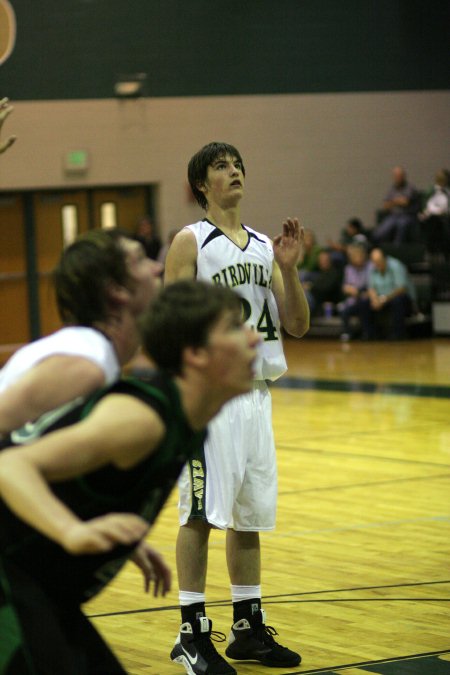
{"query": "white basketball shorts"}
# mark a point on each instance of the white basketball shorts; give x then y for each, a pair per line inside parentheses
(234, 483)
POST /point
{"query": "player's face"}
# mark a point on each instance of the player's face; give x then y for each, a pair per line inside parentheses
(145, 274)
(232, 349)
(224, 184)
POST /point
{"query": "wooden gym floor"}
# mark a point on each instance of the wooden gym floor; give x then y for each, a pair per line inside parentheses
(356, 576)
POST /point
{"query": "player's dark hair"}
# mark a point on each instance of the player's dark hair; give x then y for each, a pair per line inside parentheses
(181, 316)
(198, 166)
(86, 268)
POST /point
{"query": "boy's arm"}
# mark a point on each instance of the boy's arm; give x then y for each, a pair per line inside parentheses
(291, 301)
(50, 383)
(181, 261)
(103, 438)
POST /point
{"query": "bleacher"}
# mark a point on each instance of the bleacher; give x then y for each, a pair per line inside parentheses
(422, 272)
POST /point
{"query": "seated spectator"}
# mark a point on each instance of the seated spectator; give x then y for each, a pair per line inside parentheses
(354, 287)
(400, 208)
(391, 299)
(146, 235)
(308, 266)
(353, 232)
(325, 288)
(435, 216)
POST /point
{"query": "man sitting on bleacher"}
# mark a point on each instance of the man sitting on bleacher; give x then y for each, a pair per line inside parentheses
(392, 298)
(400, 207)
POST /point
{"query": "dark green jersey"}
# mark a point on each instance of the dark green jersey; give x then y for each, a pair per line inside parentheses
(142, 489)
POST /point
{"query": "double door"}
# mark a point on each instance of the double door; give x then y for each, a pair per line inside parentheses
(34, 228)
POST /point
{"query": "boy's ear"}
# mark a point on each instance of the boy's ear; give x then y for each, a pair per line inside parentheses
(196, 357)
(201, 187)
(118, 294)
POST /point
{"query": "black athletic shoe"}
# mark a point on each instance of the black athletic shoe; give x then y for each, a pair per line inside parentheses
(195, 651)
(252, 640)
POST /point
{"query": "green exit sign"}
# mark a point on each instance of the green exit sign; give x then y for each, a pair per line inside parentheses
(76, 161)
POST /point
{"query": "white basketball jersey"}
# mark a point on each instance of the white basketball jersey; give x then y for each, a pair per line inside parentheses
(248, 271)
(73, 341)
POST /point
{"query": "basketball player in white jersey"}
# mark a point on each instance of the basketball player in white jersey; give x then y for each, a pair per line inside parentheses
(233, 484)
(103, 283)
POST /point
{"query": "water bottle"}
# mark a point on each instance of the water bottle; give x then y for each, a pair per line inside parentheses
(328, 309)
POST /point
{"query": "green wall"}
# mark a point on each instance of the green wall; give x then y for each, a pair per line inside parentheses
(75, 49)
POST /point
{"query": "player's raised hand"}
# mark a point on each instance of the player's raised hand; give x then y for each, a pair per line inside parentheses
(288, 246)
(5, 110)
(102, 534)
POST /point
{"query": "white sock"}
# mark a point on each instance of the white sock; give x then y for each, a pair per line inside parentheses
(191, 598)
(239, 593)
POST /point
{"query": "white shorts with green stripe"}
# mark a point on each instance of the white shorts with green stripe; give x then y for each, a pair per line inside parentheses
(234, 483)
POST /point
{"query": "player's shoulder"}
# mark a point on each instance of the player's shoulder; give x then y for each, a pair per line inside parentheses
(191, 232)
(81, 341)
(184, 244)
(157, 392)
(76, 333)
(259, 237)
(61, 341)
(199, 226)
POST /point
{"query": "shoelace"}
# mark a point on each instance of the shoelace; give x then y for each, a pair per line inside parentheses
(265, 634)
(206, 648)
(217, 636)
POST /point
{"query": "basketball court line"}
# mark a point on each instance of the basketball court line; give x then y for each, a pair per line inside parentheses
(358, 455)
(381, 666)
(289, 598)
(352, 386)
(350, 486)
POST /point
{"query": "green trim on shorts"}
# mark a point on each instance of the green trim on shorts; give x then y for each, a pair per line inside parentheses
(197, 471)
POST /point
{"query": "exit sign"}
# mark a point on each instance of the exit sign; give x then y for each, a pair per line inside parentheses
(76, 161)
